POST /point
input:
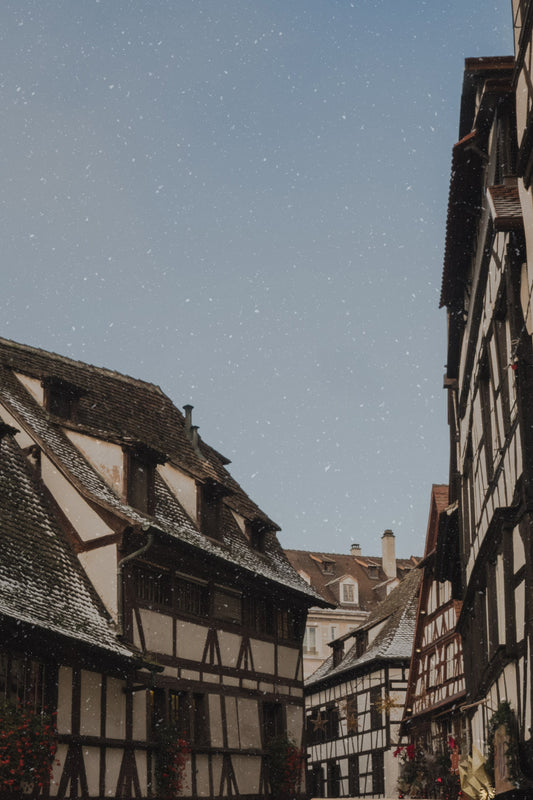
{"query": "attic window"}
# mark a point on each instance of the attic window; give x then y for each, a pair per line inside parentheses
(327, 566)
(61, 398)
(209, 509)
(257, 533)
(349, 593)
(373, 571)
(139, 479)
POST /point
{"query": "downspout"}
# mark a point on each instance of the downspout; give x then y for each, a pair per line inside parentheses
(120, 583)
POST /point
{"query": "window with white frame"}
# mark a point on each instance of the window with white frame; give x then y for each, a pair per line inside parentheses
(309, 643)
(349, 592)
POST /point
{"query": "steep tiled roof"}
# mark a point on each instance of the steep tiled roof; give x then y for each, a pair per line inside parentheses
(396, 614)
(124, 410)
(41, 581)
(341, 566)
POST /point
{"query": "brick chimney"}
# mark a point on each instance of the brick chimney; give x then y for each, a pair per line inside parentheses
(388, 554)
(355, 550)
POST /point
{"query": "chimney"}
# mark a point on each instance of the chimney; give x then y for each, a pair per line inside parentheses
(194, 440)
(389, 555)
(355, 550)
(188, 419)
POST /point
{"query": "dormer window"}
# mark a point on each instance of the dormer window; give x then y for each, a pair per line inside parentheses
(338, 653)
(349, 592)
(139, 478)
(373, 571)
(257, 533)
(327, 566)
(61, 398)
(209, 508)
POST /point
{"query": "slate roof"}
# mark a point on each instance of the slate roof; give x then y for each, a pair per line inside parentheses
(370, 589)
(42, 583)
(124, 410)
(397, 614)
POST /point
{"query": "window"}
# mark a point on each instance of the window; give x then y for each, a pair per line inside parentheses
(272, 721)
(257, 535)
(334, 778)
(353, 776)
(349, 593)
(332, 724)
(22, 681)
(61, 398)
(373, 571)
(378, 773)
(227, 605)
(332, 633)
(187, 711)
(316, 781)
(310, 640)
(192, 597)
(153, 586)
(338, 653)
(327, 566)
(376, 715)
(209, 509)
(139, 477)
(258, 614)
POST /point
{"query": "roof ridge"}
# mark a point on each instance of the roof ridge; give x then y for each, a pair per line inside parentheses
(105, 371)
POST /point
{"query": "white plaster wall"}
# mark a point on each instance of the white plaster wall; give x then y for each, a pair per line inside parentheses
(247, 771)
(190, 640)
(33, 385)
(202, 775)
(241, 522)
(113, 761)
(115, 709)
(249, 723)
(295, 721)
(232, 722)
(57, 768)
(139, 715)
(106, 458)
(64, 700)
(157, 630)
(230, 645)
(183, 487)
(101, 568)
(91, 688)
(215, 719)
(91, 757)
(142, 770)
(287, 658)
(86, 521)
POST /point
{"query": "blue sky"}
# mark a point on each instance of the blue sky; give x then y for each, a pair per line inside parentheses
(244, 202)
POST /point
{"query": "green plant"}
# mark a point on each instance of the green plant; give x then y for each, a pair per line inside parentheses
(285, 763)
(28, 744)
(504, 715)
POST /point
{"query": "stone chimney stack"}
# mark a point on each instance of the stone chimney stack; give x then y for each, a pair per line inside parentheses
(388, 554)
(355, 550)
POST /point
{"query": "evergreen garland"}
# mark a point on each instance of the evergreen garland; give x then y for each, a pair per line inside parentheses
(505, 716)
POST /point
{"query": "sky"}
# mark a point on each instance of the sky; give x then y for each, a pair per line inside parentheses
(244, 202)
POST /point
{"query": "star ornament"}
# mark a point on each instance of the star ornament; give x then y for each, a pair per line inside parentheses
(352, 723)
(319, 722)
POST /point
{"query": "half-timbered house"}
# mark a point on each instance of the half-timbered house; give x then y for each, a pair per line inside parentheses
(139, 586)
(433, 722)
(351, 584)
(488, 377)
(354, 701)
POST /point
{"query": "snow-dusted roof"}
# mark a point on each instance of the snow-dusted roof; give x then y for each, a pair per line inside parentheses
(123, 410)
(397, 615)
(42, 583)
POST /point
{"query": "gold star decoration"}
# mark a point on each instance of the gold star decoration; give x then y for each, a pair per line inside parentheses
(352, 723)
(319, 722)
(386, 704)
